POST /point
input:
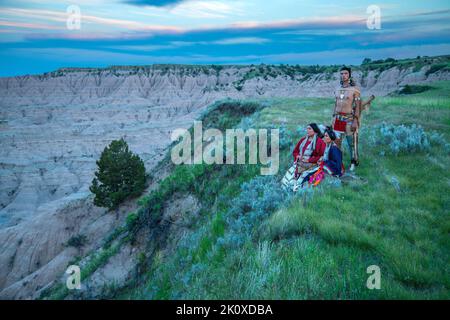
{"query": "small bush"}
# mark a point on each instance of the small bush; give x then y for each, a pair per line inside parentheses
(77, 241)
(258, 199)
(413, 89)
(131, 221)
(400, 138)
(247, 123)
(286, 138)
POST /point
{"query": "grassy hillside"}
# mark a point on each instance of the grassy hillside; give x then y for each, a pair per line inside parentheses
(254, 241)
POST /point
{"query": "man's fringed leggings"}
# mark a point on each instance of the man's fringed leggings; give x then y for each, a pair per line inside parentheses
(352, 145)
(352, 142)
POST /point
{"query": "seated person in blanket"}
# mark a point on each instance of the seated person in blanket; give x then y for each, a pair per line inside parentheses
(306, 153)
(331, 162)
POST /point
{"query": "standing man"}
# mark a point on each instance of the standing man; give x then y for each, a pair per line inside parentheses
(346, 114)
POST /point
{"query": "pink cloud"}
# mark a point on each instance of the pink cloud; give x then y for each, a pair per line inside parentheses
(27, 25)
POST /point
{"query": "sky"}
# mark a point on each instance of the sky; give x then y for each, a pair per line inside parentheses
(38, 36)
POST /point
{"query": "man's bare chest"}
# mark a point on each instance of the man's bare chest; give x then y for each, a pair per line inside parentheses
(344, 99)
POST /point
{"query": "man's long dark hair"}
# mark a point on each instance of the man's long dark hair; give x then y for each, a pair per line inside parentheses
(350, 80)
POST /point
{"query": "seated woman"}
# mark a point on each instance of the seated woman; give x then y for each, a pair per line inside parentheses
(331, 162)
(306, 153)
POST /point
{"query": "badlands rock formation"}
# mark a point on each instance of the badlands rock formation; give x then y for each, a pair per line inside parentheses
(54, 126)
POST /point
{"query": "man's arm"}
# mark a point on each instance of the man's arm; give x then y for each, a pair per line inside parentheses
(357, 112)
(367, 103)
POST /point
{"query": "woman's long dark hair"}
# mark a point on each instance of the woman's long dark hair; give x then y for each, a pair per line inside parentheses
(330, 133)
(316, 129)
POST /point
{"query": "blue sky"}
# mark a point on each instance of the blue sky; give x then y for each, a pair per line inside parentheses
(34, 37)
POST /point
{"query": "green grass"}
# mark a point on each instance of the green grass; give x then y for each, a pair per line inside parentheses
(320, 249)
(60, 290)
(406, 232)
